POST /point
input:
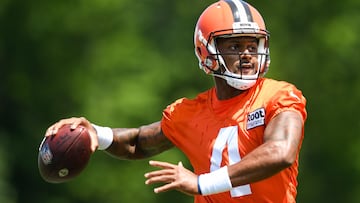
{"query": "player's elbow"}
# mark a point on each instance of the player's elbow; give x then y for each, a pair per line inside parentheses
(287, 160)
(286, 156)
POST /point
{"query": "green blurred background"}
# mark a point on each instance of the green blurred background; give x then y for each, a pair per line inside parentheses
(120, 62)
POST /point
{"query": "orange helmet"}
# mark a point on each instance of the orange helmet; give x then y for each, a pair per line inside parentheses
(230, 18)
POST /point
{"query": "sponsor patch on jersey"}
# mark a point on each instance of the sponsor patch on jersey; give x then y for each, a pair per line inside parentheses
(256, 118)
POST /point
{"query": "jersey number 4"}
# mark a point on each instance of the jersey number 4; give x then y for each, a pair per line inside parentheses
(228, 137)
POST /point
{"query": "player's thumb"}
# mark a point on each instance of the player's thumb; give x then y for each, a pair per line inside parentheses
(94, 141)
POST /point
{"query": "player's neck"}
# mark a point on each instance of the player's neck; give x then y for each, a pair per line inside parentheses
(224, 91)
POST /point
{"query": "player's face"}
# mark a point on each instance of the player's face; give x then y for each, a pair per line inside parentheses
(240, 54)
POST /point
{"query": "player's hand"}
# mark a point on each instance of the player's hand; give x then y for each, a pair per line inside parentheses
(175, 177)
(74, 122)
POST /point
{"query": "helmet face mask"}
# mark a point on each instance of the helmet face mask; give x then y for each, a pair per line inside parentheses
(226, 19)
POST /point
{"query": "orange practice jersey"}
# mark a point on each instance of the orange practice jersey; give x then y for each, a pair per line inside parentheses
(213, 133)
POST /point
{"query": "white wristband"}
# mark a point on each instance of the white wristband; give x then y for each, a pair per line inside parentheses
(105, 136)
(214, 182)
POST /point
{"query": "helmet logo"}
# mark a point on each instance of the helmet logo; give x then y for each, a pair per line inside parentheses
(245, 27)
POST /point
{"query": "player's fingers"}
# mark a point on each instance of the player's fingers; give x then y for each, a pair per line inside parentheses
(166, 187)
(59, 124)
(161, 164)
(49, 131)
(94, 142)
(74, 122)
(159, 173)
(163, 178)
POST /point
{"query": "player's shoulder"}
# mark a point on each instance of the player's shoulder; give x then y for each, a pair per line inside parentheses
(191, 103)
(276, 85)
(198, 99)
(271, 89)
(281, 90)
(279, 95)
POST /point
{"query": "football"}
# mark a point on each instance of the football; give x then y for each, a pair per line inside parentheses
(64, 156)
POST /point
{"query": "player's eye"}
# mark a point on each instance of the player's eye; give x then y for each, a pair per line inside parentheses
(252, 48)
(234, 48)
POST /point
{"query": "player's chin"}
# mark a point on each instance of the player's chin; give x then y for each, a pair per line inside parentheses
(247, 70)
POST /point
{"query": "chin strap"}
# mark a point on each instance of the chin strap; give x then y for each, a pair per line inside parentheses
(237, 83)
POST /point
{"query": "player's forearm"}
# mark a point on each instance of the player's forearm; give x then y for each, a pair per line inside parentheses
(282, 142)
(124, 143)
(260, 164)
(138, 143)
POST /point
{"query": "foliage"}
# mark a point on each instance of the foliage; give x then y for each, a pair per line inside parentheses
(119, 63)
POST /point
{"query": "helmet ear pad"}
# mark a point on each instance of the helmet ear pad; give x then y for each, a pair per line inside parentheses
(264, 62)
(208, 63)
(211, 63)
(266, 65)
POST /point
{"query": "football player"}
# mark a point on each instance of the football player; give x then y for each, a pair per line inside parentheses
(242, 136)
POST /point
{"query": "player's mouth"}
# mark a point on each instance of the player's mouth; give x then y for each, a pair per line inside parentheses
(246, 67)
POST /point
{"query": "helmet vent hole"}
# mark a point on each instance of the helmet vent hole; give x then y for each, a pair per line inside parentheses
(199, 50)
